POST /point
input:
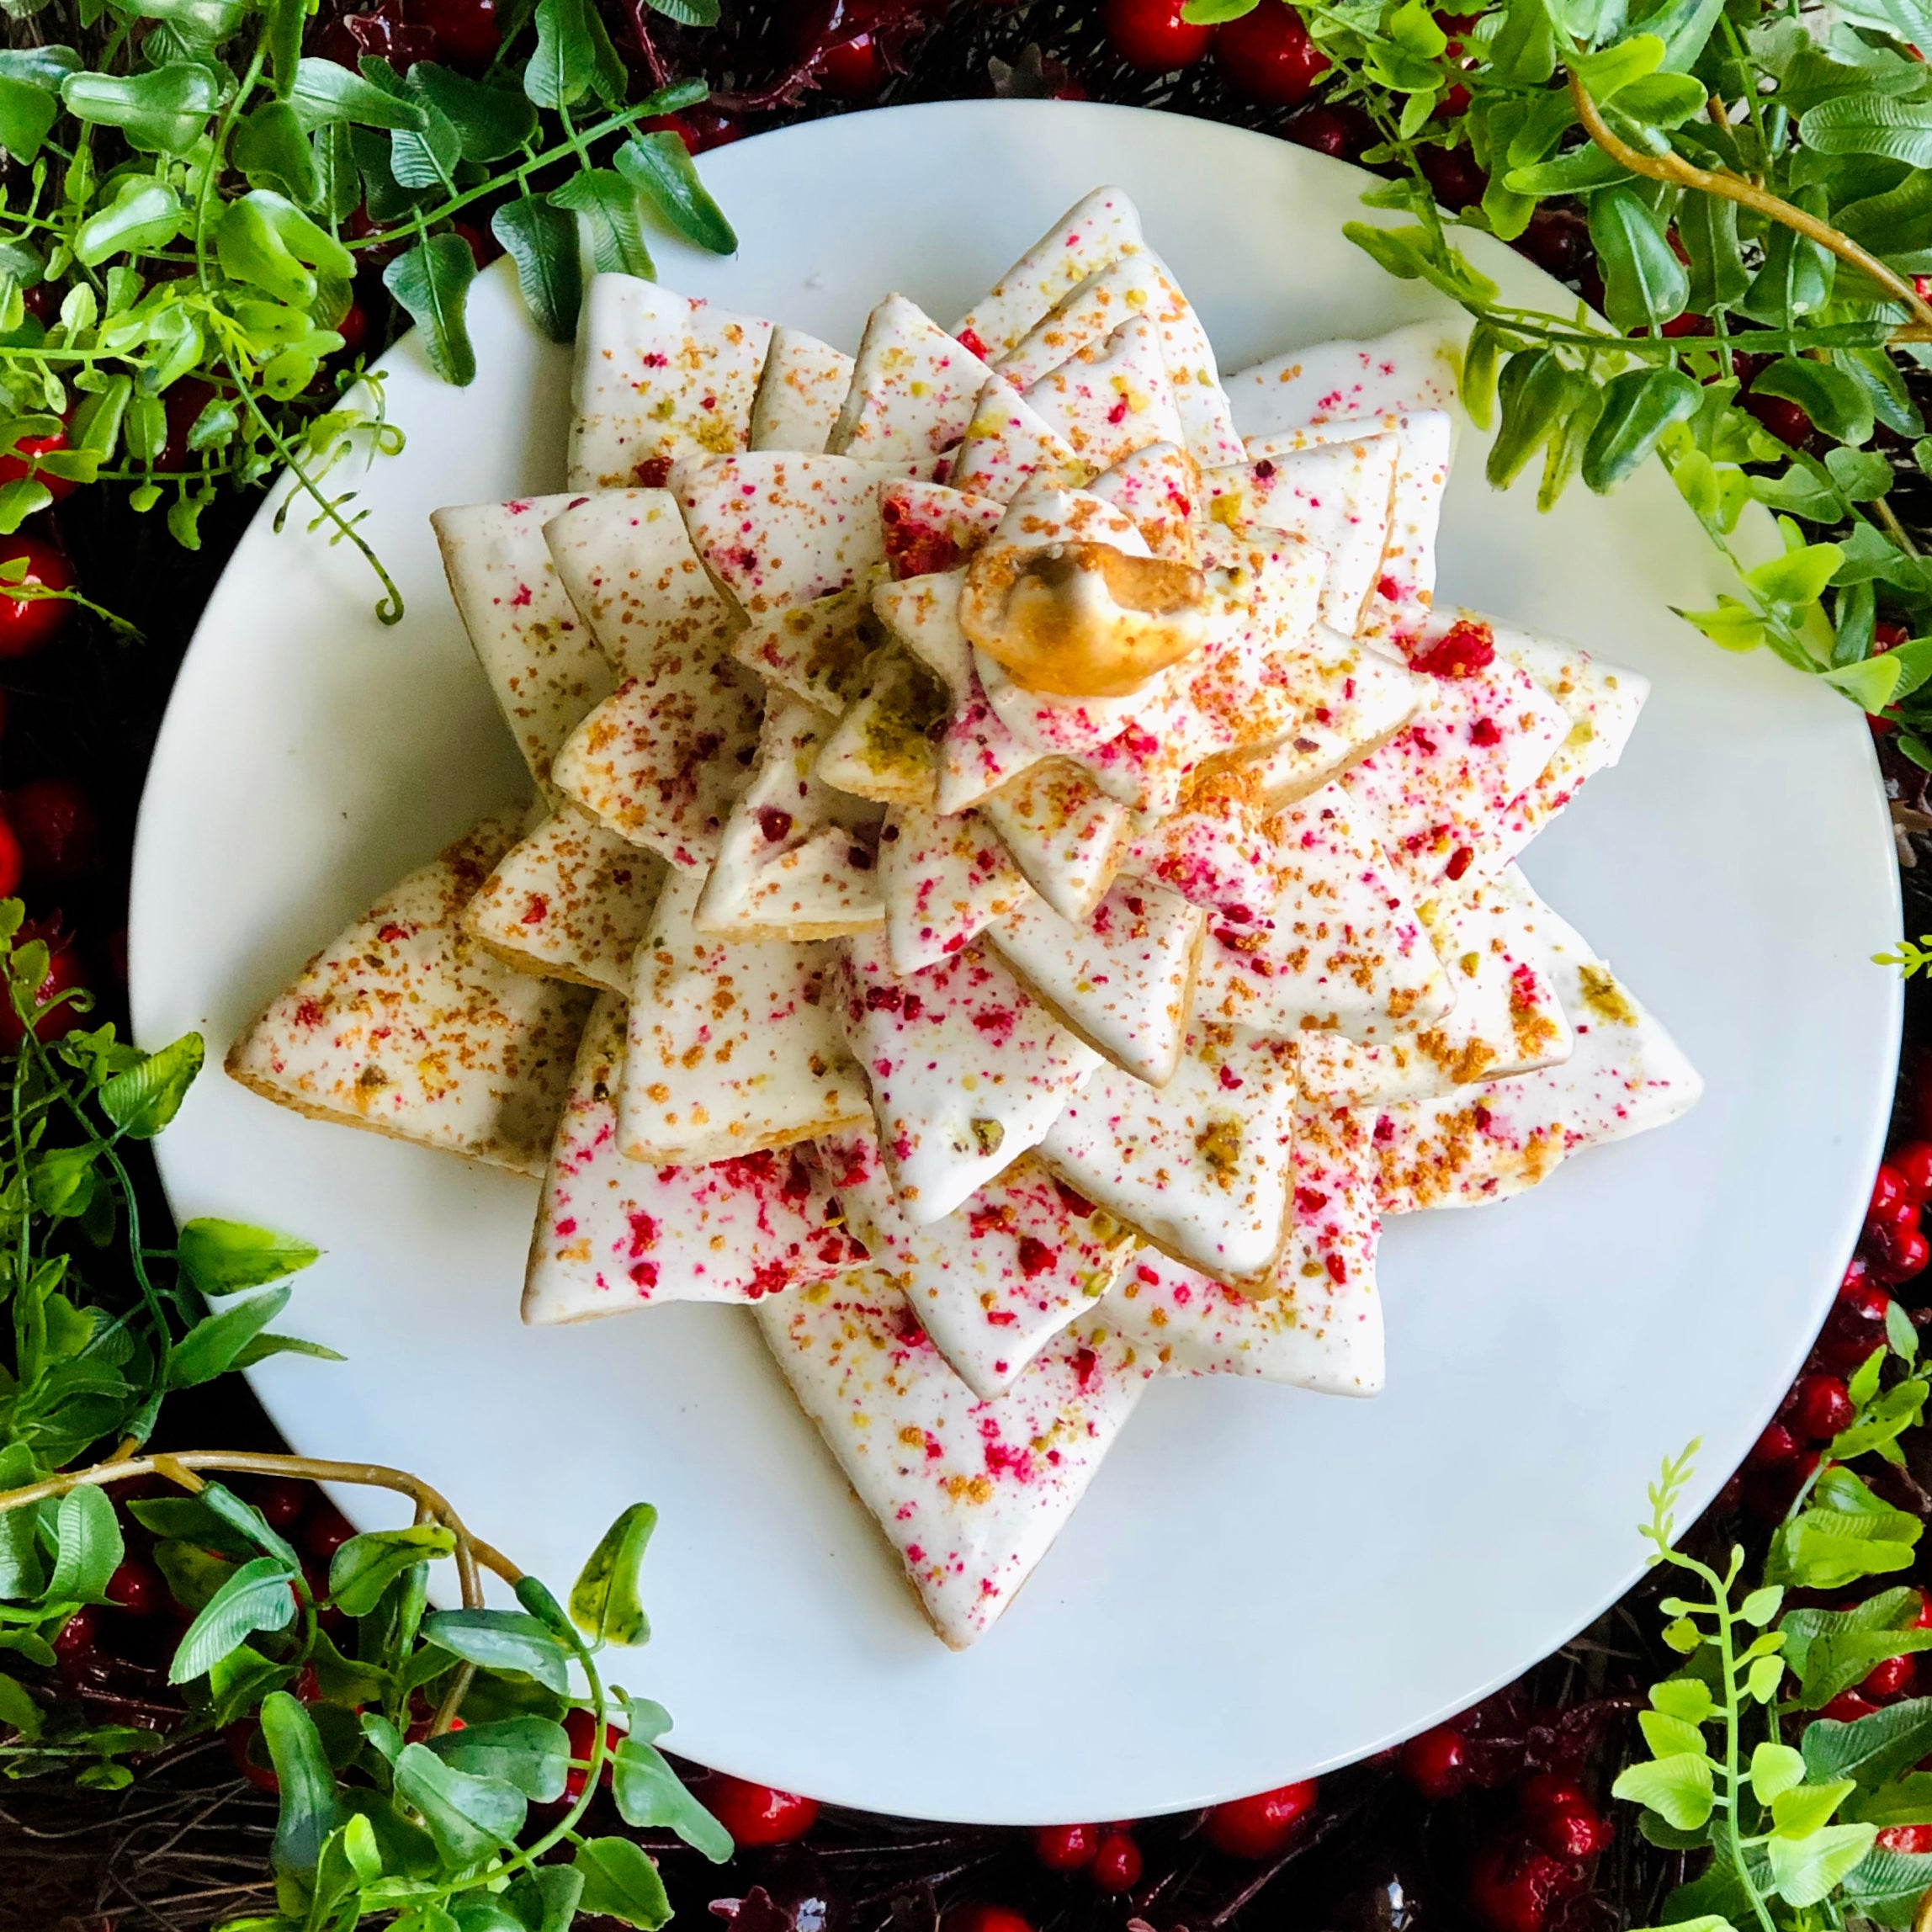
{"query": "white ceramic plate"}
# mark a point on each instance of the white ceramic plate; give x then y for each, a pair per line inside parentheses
(1261, 1583)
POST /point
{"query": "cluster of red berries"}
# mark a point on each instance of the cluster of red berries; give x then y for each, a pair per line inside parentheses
(1265, 55)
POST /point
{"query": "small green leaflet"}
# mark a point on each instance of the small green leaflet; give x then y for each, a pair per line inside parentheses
(620, 1881)
(257, 1596)
(309, 1807)
(366, 1565)
(542, 240)
(144, 1099)
(500, 1640)
(223, 1257)
(649, 1794)
(88, 1544)
(605, 1601)
(1679, 1789)
(468, 1817)
(432, 281)
(658, 166)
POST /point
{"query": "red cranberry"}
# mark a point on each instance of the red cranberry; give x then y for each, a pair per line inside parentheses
(65, 974)
(1340, 131)
(1896, 1253)
(182, 404)
(1557, 240)
(483, 247)
(15, 463)
(250, 1754)
(135, 1588)
(1512, 1887)
(1894, 1678)
(581, 1727)
(1913, 1162)
(27, 623)
(328, 1529)
(1923, 1620)
(1561, 1819)
(78, 1643)
(1905, 1837)
(1847, 1707)
(57, 828)
(853, 69)
(1777, 1448)
(1437, 1763)
(353, 328)
(1784, 419)
(1260, 1826)
(706, 127)
(282, 1500)
(467, 32)
(980, 1917)
(756, 1814)
(1267, 56)
(1820, 1408)
(13, 859)
(1891, 1197)
(1066, 1847)
(1151, 35)
(1115, 1864)
(1452, 171)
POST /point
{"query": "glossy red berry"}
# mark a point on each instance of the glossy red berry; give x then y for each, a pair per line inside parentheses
(1340, 131)
(1066, 1847)
(1893, 1678)
(13, 859)
(76, 1642)
(353, 326)
(1557, 240)
(250, 1754)
(1847, 1707)
(1913, 1162)
(1777, 1448)
(58, 827)
(326, 1532)
(978, 1916)
(1562, 1819)
(1905, 1837)
(756, 1814)
(1261, 1826)
(1115, 1864)
(65, 974)
(135, 1588)
(1267, 56)
(283, 1501)
(1453, 175)
(1512, 1887)
(483, 247)
(17, 463)
(1784, 419)
(27, 625)
(1151, 35)
(1820, 1408)
(467, 31)
(1923, 1620)
(853, 69)
(1891, 1198)
(581, 1727)
(1895, 1254)
(1437, 1763)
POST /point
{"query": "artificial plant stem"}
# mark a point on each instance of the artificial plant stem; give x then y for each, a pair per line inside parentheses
(1681, 174)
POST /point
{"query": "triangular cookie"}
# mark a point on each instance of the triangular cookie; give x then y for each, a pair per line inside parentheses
(944, 881)
(796, 859)
(1217, 850)
(970, 1494)
(1098, 229)
(819, 652)
(1113, 397)
(1368, 699)
(1007, 444)
(799, 391)
(882, 748)
(967, 1071)
(1063, 832)
(1416, 366)
(571, 900)
(912, 390)
(1158, 488)
(404, 1025)
(1122, 980)
(994, 1283)
(545, 669)
(658, 376)
(733, 1046)
(613, 1235)
(933, 527)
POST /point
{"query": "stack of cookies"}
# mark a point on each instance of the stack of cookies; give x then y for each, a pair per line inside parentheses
(1020, 879)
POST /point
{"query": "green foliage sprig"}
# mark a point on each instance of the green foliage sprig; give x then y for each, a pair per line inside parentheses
(191, 199)
(1758, 182)
(1790, 1804)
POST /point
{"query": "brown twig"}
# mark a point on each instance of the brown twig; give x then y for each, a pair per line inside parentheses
(1673, 168)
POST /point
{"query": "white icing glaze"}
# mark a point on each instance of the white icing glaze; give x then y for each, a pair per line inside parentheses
(1412, 368)
(658, 376)
(970, 1494)
(1218, 851)
(1064, 833)
(1098, 229)
(912, 390)
(1007, 443)
(733, 1046)
(967, 1072)
(1123, 980)
(404, 1024)
(1366, 700)
(613, 1235)
(944, 881)
(819, 652)
(799, 391)
(883, 746)
(1113, 397)
(1157, 487)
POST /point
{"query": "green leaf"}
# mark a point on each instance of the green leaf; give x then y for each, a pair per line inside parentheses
(1707, 225)
(651, 1795)
(605, 1600)
(210, 1348)
(1478, 376)
(223, 1257)
(1775, 1769)
(1863, 475)
(18, 1710)
(1796, 279)
(531, 1754)
(1686, 1698)
(704, 12)
(1212, 13)
(89, 1546)
(257, 1596)
(191, 1571)
(326, 93)
(1576, 171)
(490, 122)
(1833, 400)
(1761, 1605)
(606, 205)
(272, 148)
(26, 117)
(1805, 1869)
(1865, 123)
(1639, 406)
(1532, 391)
(1803, 1809)
(144, 1099)
(1524, 50)
(573, 56)
(621, 1882)
(1608, 72)
(1685, 27)
(658, 166)
(432, 281)
(500, 1640)
(1668, 1736)
(1798, 577)
(1679, 1789)
(468, 1817)
(547, 1899)
(1869, 684)
(163, 111)
(1887, 1886)
(542, 240)
(239, 1681)
(366, 1565)
(1871, 1749)
(1645, 285)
